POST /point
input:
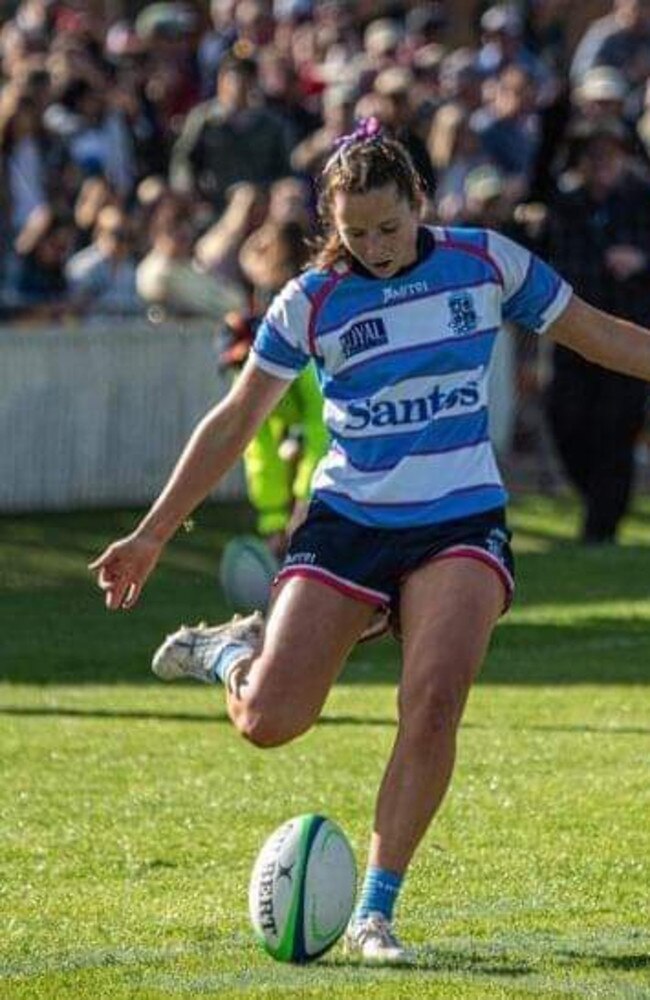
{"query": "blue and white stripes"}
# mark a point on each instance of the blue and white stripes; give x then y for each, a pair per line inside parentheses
(403, 365)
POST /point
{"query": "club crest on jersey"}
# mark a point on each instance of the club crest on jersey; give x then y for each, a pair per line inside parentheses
(463, 318)
(364, 335)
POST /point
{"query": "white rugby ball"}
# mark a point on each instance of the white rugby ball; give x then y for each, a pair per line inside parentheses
(302, 888)
(246, 573)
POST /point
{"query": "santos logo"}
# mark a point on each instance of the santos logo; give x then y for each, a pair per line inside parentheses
(403, 412)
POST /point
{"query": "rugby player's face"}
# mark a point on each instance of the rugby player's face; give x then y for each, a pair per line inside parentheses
(379, 228)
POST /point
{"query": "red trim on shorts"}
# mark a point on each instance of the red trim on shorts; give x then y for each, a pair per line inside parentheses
(476, 552)
(355, 590)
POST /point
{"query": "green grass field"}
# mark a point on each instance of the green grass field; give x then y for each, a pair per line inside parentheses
(130, 813)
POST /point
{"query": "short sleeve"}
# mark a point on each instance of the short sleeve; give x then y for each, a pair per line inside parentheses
(534, 294)
(281, 342)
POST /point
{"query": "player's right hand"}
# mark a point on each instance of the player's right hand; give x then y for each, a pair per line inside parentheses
(123, 568)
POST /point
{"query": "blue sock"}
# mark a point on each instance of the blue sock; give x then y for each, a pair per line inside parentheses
(379, 893)
(231, 653)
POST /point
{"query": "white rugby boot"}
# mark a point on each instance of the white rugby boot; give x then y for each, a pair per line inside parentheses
(192, 651)
(372, 940)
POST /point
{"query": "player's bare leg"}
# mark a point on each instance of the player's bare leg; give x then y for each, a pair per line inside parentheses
(277, 674)
(309, 634)
(448, 611)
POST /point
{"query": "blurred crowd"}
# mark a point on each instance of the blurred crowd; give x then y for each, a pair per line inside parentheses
(165, 165)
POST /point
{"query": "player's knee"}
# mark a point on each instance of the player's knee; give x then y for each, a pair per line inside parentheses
(266, 729)
(437, 708)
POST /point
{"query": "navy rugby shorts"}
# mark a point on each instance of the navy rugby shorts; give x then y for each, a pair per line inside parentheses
(369, 563)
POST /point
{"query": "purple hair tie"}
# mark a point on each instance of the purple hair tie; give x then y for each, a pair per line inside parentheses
(367, 128)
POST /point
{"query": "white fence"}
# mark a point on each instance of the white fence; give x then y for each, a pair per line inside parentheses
(96, 416)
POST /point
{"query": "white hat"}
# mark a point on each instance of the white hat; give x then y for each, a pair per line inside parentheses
(602, 83)
(484, 183)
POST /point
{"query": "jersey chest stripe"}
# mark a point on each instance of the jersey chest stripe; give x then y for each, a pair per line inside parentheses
(429, 347)
(388, 466)
(385, 308)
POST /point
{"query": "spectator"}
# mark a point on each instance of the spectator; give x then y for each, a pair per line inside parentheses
(599, 235)
(284, 96)
(96, 135)
(338, 106)
(94, 195)
(169, 277)
(215, 43)
(461, 80)
(620, 39)
(381, 42)
(426, 25)
(600, 93)
(24, 149)
(600, 96)
(426, 93)
(229, 139)
(456, 151)
(136, 93)
(545, 33)
(509, 128)
(503, 46)
(38, 285)
(101, 277)
(254, 24)
(399, 117)
(486, 203)
(170, 35)
(217, 250)
(279, 246)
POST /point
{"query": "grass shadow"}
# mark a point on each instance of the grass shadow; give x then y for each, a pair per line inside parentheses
(579, 618)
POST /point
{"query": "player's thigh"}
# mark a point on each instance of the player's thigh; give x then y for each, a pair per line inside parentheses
(448, 609)
(310, 632)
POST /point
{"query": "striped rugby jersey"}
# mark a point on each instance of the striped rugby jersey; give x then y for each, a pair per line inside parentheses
(403, 365)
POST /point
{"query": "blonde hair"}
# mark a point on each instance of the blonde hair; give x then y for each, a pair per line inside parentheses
(358, 166)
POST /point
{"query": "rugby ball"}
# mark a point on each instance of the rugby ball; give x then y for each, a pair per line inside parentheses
(302, 888)
(246, 573)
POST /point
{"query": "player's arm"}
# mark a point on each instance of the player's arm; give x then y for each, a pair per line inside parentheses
(215, 445)
(604, 339)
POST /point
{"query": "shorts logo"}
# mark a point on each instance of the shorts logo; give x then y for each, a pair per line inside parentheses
(463, 318)
(300, 557)
(363, 336)
(496, 542)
